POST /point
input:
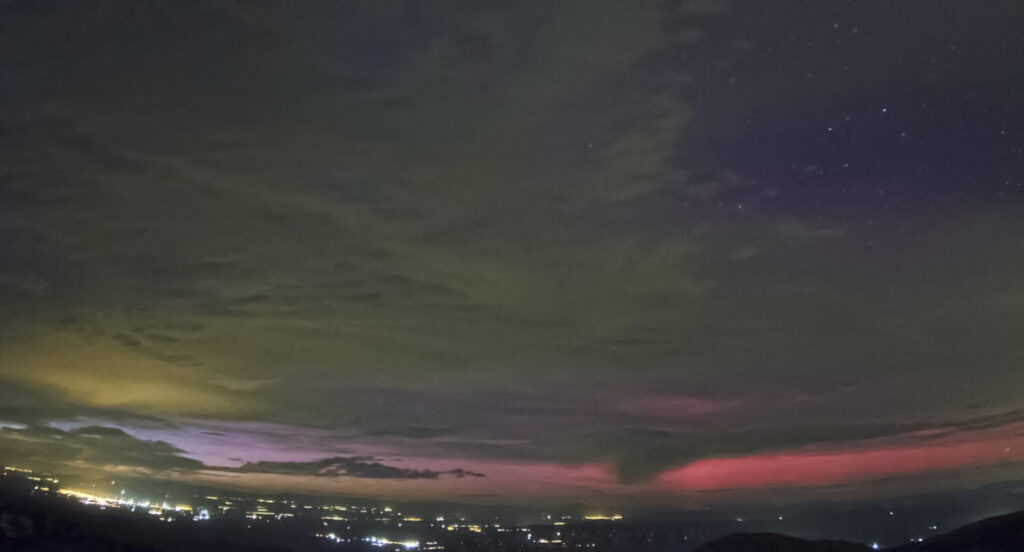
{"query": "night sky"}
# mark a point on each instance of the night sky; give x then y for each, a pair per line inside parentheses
(681, 254)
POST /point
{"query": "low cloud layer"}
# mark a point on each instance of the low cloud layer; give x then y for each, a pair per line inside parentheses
(355, 466)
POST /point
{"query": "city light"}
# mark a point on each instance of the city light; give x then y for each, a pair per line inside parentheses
(362, 524)
(383, 542)
(596, 517)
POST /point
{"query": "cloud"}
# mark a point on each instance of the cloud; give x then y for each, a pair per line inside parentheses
(819, 467)
(90, 450)
(488, 232)
(354, 466)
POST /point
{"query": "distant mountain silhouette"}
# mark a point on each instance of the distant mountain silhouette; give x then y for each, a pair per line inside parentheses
(994, 534)
(771, 542)
(997, 534)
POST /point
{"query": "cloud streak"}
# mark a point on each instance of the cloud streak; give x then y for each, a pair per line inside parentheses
(354, 466)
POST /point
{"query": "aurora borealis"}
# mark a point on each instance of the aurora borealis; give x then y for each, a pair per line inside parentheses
(627, 253)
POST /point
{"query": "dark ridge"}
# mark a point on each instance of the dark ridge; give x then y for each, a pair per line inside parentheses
(772, 542)
(995, 534)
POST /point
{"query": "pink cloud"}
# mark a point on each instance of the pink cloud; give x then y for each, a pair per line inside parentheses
(802, 468)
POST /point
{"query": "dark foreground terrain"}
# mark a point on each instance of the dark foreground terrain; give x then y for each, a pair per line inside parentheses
(54, 524)
(771, 542)
(45, 522)
(996, 534)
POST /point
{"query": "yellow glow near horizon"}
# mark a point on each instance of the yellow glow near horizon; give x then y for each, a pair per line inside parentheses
(82, 495)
